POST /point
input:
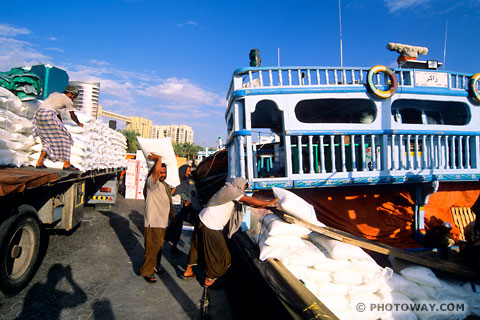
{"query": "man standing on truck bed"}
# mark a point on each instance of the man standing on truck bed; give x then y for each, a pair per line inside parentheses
(47, 124)
(158, 209)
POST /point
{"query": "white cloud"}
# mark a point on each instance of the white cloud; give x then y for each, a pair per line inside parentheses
(182, 91)
(17, 53)
(54, 49)
(10, 31)
(188, 23)
(398, 5)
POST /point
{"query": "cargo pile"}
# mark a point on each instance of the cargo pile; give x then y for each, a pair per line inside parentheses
(95, 145)
(351, 283)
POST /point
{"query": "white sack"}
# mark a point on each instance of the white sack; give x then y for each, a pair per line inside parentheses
(275, 226)
(296, 206)
(338, 249)
(421, 275)
(164, 148)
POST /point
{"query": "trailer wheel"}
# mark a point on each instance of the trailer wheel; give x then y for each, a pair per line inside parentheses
(19, 249)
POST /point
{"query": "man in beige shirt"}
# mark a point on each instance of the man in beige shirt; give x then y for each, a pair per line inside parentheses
(158, 209)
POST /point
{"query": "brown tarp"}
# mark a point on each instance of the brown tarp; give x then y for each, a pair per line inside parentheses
(18, 179)
(385, 212)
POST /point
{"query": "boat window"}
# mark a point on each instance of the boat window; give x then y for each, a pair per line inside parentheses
(412, 111)
(336, 111)
(267, 136)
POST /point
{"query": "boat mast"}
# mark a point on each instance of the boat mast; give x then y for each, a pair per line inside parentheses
(445, 45)
(341, 46)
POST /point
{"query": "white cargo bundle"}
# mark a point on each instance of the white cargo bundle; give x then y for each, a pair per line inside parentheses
(95, 146)
(344, 277)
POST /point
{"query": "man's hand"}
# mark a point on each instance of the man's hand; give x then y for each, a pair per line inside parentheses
(153, 157)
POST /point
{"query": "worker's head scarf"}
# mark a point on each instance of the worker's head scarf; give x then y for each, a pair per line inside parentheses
(230, 191)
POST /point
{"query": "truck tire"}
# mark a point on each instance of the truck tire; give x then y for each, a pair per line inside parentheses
(19, 249)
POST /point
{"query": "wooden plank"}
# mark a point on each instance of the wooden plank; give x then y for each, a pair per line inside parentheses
(314, 309)
(443, 265)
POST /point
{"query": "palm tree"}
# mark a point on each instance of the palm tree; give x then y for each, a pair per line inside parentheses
(132, 142)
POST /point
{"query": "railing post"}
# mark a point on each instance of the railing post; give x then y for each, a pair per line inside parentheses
(352, 150)
(424, 151)
(460, 152)
(467, 153)
(332, 153)
(260, 78)
(447, 158)
(322, 155)
(280, 77)
(310, 153)
(384, 153)
(401, 154)
(392, 151)
(374, 153)
(364, 154)
(453, 153)
(342, 151)
(270, 77)
(409, 153)
(300, 155)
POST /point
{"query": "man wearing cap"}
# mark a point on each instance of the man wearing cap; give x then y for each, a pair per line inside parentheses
(47, 124)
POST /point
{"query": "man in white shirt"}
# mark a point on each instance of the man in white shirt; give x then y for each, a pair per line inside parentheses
(47, 124)
(208, 241)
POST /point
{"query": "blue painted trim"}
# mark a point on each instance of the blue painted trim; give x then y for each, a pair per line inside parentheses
(312, 183)
(242, 133)
(433, 91)
(296, 90)
(347, 89)
(370, 132)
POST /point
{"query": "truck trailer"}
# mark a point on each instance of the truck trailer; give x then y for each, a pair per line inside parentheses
(36, 200)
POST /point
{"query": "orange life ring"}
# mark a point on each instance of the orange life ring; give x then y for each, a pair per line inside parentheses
(393, 82)
(473, 86)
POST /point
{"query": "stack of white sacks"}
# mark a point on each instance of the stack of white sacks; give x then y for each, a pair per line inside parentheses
(95, 146)
(348, 281)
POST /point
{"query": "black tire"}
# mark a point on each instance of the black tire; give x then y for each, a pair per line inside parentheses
(19, 249)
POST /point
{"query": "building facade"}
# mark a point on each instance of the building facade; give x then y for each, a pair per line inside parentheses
(140, 125)
(87, 100)
(178, 133)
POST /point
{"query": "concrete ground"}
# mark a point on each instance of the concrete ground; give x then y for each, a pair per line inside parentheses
(93, 273)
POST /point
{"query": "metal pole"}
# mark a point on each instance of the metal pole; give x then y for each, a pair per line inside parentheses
(445, 46)
(341, 46)
(278, 55)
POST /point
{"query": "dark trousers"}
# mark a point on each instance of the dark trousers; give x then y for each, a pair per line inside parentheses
(210, 249)
(153, 249)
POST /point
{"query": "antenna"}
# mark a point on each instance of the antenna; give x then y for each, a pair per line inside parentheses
(445, 45)
(341, 46)
(278, 56)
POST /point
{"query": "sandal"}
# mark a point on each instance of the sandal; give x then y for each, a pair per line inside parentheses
(42, 166)
(189, 277)
(159, 271)
(208, 282)
(150, 279)
(71, 168)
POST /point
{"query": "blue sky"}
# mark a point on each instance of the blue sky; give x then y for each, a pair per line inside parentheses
(172, 61)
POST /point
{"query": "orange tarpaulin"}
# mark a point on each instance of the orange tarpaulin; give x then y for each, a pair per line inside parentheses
(450, 195)
(385, 213)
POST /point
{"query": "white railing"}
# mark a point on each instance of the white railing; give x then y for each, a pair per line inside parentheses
(270, 77)
(365, 154)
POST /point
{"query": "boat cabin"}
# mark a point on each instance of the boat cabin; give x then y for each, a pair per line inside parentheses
(302, 127)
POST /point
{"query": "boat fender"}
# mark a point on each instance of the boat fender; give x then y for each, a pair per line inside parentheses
(473, 86)
(393, 82)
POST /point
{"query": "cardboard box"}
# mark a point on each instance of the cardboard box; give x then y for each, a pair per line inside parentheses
(139, 194)
(130, 192)
(141, 180)
(130, 179)
(142, 167)
(131, 166)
